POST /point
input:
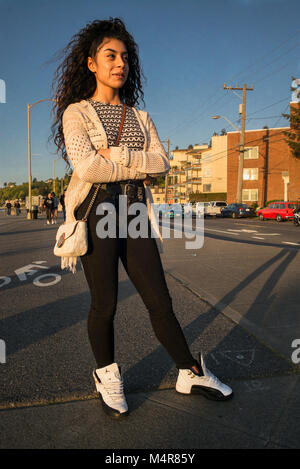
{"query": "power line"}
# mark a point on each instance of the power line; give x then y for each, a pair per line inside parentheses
(267, 107)
(274, 60)
(277, 70)
(267, 54)
(195, 119)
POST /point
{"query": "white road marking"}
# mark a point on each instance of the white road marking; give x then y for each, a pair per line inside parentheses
(257, 237)
(242, 357)
(220, 231)
(248, 224)
(243, 231)
(293, 244)
(272, 234)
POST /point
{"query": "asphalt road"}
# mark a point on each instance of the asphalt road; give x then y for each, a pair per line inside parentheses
(251, 268)
(236, 297)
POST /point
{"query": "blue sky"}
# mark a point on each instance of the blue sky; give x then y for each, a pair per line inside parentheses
(188, 50)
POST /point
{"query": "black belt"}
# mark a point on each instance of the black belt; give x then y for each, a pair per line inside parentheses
(134, 189)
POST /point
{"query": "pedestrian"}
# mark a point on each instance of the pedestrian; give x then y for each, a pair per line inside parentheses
(55, 208)
(62, 203)
(8, 207)
(17, 207)
(100, 79)
(48, 205)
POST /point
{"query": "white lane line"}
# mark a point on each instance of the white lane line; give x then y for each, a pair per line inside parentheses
(249, 224)
(272, 234)
(220, 231)
(257, 237)
(293, 244)
(242, 231)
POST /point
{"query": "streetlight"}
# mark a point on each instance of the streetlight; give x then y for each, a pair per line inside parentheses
(53, 185)
(224, 117)
(29, 106)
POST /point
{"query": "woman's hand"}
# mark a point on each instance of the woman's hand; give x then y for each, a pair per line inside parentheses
(147, 181)
(105, 153)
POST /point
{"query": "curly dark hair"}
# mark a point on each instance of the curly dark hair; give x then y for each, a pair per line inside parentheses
(76, 82)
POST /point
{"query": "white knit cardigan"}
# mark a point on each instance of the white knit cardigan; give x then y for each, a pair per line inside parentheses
(84, 135)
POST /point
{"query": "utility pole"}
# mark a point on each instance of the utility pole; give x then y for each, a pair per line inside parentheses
(166, 176)
(239, 191)
(53, 182)
(29, 213)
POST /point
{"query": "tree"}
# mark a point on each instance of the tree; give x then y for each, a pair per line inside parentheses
(293, 135)
(190, 147)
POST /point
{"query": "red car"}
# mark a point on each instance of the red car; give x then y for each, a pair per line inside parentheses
(279, 211)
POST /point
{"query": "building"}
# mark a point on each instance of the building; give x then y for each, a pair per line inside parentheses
(185, 175)
(214, 166)
(270, 171)
(158, 194)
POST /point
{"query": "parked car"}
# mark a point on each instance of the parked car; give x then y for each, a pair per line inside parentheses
(237, 211)
(279, 211)
(296, 216)
(213, 208)
(169, 210)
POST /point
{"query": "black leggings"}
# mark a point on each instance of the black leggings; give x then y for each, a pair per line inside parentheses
(141, 260)
(49, 213)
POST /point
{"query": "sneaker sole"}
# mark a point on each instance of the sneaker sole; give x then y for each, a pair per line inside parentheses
(112, 413)
(209, 393)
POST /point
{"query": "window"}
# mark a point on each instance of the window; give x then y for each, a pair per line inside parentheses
(250, 153)
(206, 157)
(207, 172)
(206, 187)
(250, 195)
(250, 174)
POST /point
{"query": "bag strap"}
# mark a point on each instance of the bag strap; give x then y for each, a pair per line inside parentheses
(99, 185)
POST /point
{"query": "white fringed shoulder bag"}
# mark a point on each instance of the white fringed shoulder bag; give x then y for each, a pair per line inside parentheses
(72, 238)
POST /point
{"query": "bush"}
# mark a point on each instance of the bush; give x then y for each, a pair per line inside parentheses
(208, 196)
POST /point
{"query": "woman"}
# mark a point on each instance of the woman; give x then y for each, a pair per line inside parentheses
(48, 206)
(55, 207)
(100, 74)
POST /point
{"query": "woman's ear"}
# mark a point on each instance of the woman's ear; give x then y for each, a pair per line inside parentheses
(91, 65)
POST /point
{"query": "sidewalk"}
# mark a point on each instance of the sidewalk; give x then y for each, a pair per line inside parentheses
(263, 414)
(47, 397)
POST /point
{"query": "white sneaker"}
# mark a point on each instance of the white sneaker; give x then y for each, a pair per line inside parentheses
(109, 385)
(48, 222)
(52, 222)
(208, 385)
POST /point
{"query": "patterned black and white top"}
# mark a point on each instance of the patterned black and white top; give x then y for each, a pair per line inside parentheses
(110, 116)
